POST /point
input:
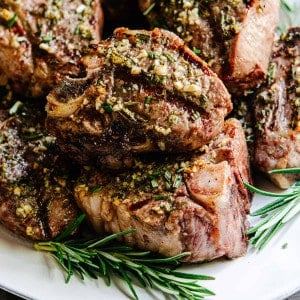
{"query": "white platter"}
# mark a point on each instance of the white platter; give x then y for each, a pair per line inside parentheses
(271, 274)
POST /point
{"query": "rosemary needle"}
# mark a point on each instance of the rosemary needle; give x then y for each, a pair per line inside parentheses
(103, 257)
(276, 213)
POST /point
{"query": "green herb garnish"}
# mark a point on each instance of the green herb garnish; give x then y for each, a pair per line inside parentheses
(151, 55)
(275, 214)
(271, 73)
(12, 21)
(102, 258)
(169, 57)
(196, 51)
(14, 109)
(96, 189)
(177, 181)
(195, 116)
(154, 183)
(48, 38)
(108, 108)
(148, 99)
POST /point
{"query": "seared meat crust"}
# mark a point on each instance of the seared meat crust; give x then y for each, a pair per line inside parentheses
(144, 91)
(195, 203)
(277, 112)
(36, 199)
(234, 37)
(43, 40)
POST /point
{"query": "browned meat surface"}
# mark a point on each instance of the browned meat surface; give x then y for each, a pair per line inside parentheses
(234, 37)
(194, 203)
(144, 91)
(277, 111)
(36, 199)
(43, 40)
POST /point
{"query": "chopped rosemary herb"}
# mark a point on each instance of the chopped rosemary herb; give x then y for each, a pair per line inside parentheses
(169, 57)
(48, 38)
(14, 109)
(195, 115)
(143, 38)
(203, 99)
(148, 99)
(271, 72)
(108, 108)
(154, 183)
(168, 175)
(12, 21)
(177, 181)
(96, 189)
(196, 51)
(151, 55)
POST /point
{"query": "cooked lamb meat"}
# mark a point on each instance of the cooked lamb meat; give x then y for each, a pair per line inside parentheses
(144, 91)
(195, 203)
(234, 37)
(36, 199)
(277, 112)
(43, 40)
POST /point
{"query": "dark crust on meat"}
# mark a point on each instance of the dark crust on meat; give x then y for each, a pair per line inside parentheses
(144, 91)
(36, 199)
(46, 42)
(233, 37)
(277, 117)
(195, 203)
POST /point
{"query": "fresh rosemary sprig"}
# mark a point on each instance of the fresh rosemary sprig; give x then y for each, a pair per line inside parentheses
(101, 258)
(275, 214)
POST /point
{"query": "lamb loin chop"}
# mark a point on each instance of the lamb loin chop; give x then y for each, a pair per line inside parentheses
(234, 37)
(144, 91)
(36, 199)
(195, 202)
(43, 40)
(277, 112)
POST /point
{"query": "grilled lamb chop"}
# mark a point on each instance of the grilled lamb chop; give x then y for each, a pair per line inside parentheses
(234, 37)
(43, 40)
(144, 91)
(36, 199)
(195, 203)
(277, 112)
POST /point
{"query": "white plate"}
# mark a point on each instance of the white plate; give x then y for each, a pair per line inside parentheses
(271, 274)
